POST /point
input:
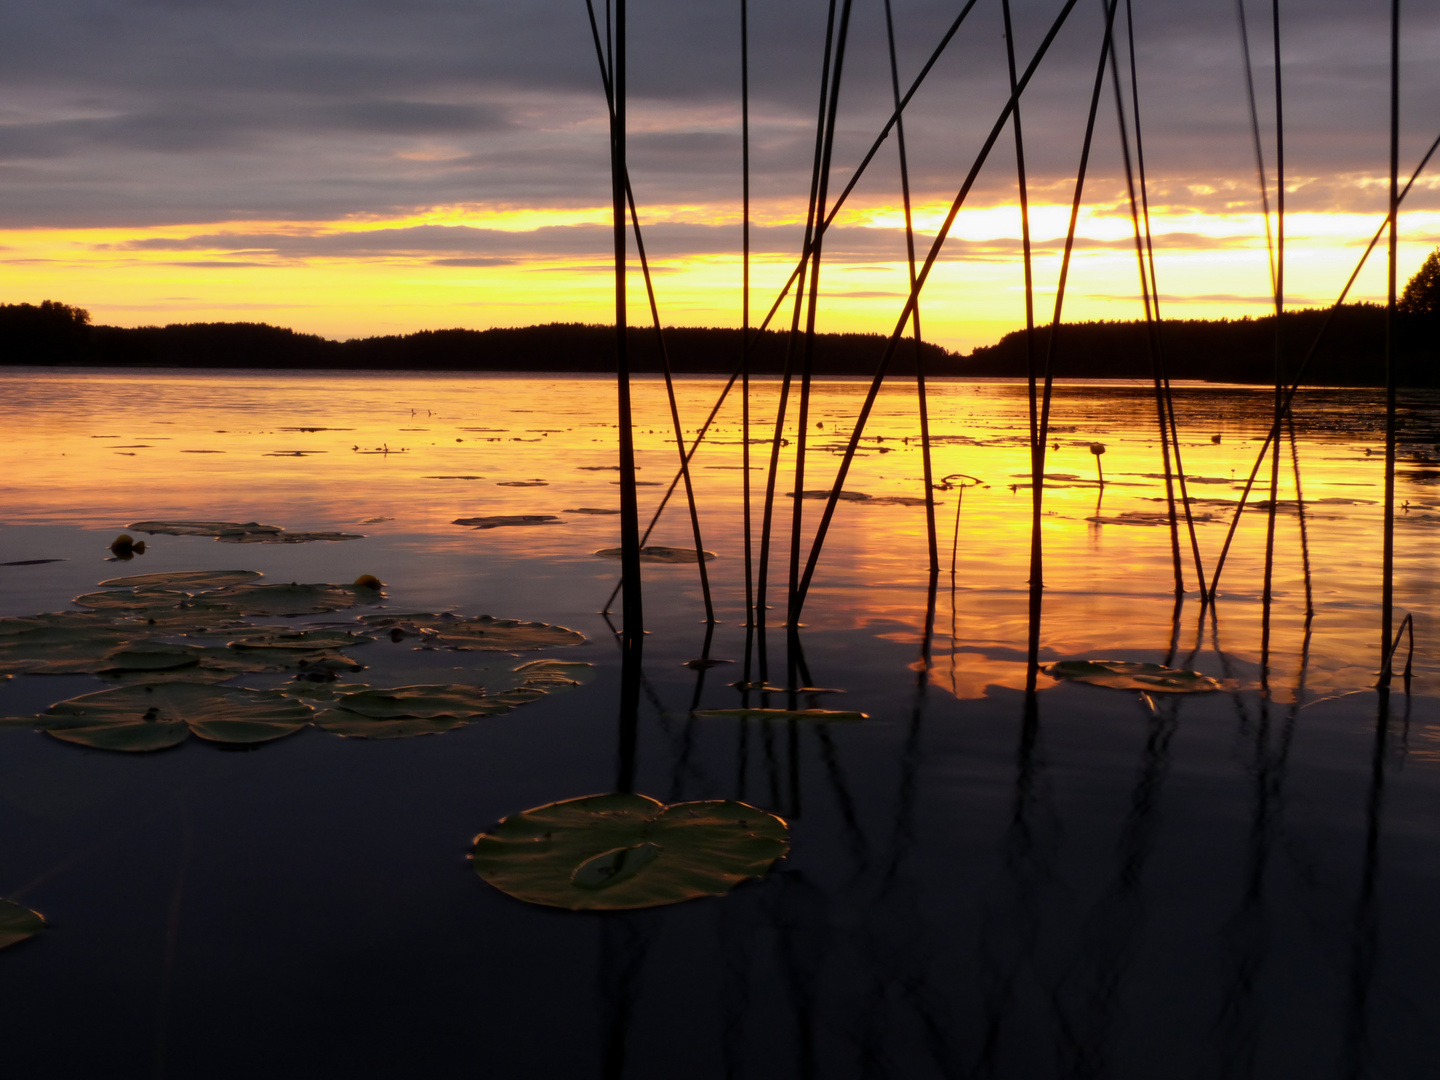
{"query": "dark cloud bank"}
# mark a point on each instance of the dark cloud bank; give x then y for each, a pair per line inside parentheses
(132, 112)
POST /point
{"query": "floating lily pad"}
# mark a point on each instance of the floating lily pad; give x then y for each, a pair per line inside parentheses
(202, 528)
(187, 580)
(272, 639)
(1132, 675)
(616, 852)
(294, 599)
(895, 500)
(18, 923)
(845, 496)
(482, 633)
(660, 554)
(592, 510)
(287, 537)
(523, 483)
(499, 520)
(153, 656)
(59, 650)
(1146, 517)
(153, 716)
(405, 711)
(813, 715)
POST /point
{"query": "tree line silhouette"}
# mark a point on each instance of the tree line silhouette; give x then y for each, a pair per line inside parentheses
(1218, 350)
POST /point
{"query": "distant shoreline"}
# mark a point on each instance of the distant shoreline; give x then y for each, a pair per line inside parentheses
(1235, 351)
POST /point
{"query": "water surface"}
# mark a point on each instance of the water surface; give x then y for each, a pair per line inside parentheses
(1239, 883)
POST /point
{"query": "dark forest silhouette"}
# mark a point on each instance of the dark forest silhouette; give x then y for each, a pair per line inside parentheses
(1221, 350)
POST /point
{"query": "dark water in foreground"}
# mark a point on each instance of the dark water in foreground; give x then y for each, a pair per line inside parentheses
(1236, 884)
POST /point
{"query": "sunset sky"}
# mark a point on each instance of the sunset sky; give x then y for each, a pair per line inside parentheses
(354, 167)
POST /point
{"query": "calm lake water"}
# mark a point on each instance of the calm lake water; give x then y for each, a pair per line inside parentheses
(1241, 883)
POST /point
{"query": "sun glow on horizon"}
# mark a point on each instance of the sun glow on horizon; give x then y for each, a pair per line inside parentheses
(321, 277)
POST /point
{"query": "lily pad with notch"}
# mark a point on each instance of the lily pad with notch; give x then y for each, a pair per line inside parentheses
(623, 851)
(151, 716)
(1133, 675)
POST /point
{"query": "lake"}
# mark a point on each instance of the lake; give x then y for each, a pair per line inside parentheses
(1081, 882)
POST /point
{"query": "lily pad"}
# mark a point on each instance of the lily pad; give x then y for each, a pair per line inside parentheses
(152, 656)
(813, 715)
(595, 511)
(617, 852)
(660, 554)
(152, 716)
(59, 650)
(482, 633)
(1132, 675)
(187, 580)
(286, 537)
(294, 599)
(845, 496)
(202, 528)
(275, 639)
(18, 923)
(499, 520)
(405, 711)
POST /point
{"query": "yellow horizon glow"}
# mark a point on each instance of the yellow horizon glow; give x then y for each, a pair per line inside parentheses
(1209, 266)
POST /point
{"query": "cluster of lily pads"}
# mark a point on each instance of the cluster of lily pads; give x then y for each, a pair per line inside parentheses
(166, 640)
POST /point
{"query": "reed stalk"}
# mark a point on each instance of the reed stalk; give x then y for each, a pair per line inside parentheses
(1387, 571)
(927, 470)
(1147, 288)
(820, 189)
(1037, 483)
(631, 606)
(1024, 189)
(939, 242)
(1155, 299)
(1298, 378)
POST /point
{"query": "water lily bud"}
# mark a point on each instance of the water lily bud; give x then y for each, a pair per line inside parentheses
(368, 581)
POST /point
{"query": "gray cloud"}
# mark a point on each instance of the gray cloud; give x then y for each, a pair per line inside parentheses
(125, 112)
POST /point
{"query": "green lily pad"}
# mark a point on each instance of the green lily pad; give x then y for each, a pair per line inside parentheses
(294, 599)
(18, 923)
(616, 852)
(152, 656)
(813, 715)
(78, 648)
(188, 580)
(152, 716)
(660, 554)
(1131, 675)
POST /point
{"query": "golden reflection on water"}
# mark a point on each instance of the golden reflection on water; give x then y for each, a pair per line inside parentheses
(399, 457)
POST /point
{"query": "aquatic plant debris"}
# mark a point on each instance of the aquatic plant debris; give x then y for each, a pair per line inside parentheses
(812, 715)
(18, 923)
(152, 716)
(1132, 675)
(624, 851)
(499, 520)
(660, 554)
(483, 633)
(231, 532)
